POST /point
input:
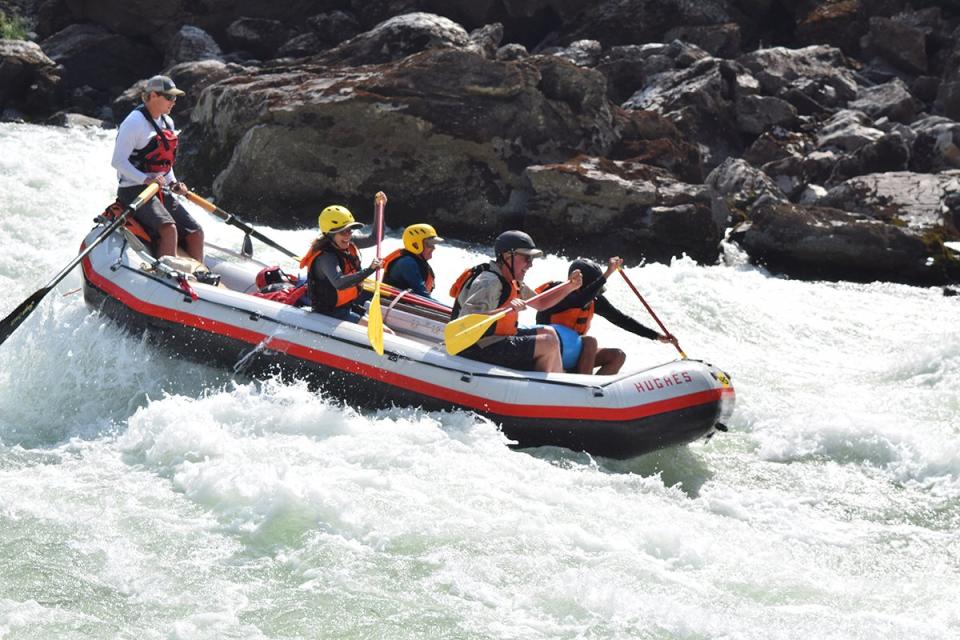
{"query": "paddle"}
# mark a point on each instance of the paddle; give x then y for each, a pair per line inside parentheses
(9, 324)
(662, 328)
(374, 315)
(466, 330)
(231, 219)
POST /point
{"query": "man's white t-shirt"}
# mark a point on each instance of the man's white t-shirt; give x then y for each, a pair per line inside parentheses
(135, 133)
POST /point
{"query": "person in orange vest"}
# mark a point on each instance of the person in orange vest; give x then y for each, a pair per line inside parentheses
(334, 276)
(145, 151)
(495, 285)
(409, 268)
(572, 316)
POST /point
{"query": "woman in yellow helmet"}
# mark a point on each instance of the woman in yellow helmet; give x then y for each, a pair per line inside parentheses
(334, 276)
(408, 268)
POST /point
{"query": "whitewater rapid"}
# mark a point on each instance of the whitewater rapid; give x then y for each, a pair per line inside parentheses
(142, 496)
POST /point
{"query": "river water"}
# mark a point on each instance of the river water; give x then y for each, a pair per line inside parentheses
(147, 497)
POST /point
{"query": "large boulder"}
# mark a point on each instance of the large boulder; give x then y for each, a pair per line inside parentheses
(100, 62)
(29, 80)
(446, 132)
(826, 243)
(599, 206)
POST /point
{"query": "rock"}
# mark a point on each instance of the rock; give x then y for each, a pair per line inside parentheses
(825, 243)
(700, 100)
(191, 44)
(900, 43)
(937, 145)
(818, 72)
(73, 120)
(756, 114)
(94, 57)
(623, 208)
(719, 40)
(400, 37)
(260, 37)
(890, 100)
(912, 200)
(848, 130)
(29, 80)
(445, 131)
(736, 186)
(892, 152)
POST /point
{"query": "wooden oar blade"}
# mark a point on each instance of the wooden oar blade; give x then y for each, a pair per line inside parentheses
(16, 317)
(466, 330)
(375, 323)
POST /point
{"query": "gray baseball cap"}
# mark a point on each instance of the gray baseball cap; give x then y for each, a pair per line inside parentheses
(162, 84)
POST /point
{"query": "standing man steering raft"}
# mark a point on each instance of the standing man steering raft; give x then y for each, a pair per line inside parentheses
(145, 152)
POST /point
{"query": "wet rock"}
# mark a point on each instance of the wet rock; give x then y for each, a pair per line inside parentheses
(821, 242)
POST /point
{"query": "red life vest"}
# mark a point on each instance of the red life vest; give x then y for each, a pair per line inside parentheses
(506, 326)
(425, 271)
(161, 152)
(577, 318)
(322, 293)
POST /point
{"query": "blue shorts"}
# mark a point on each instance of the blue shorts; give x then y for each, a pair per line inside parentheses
(571, 344)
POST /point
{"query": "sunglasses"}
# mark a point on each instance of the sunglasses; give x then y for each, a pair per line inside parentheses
(168, 96)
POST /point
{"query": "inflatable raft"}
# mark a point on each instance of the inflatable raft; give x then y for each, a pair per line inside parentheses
(615, 416)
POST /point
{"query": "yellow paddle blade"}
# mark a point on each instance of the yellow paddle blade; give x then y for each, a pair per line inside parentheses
(466, 330)
(375, 322)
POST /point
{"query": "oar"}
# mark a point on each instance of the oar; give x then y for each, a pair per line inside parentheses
(374, 315)
(662, 328)
(231, 219)
(9, 324)
(466, 330)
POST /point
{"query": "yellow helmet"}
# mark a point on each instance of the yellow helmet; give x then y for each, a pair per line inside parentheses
(415, 234)
(335, 219)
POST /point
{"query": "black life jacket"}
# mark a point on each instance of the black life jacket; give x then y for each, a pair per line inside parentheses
(323, 295)
(161, 152)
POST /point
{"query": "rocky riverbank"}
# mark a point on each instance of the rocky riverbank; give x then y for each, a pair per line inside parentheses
(822, 137)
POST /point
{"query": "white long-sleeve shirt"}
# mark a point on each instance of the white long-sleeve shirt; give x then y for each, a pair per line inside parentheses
(135, 133)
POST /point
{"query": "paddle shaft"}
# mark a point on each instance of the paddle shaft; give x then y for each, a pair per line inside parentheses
(650, 311)
(231, 219)
(9, 324)
(374, 314)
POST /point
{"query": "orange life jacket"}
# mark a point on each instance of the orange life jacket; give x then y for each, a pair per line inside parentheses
(577, 318)
(323, 296)
(129, 223)
(506, 326)
(425, 271)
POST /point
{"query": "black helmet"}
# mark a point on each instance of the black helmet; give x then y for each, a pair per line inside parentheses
(516, 241)
(590, 270)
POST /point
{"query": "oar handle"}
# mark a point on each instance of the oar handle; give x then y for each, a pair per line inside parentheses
(231, 219)
(650, 311)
